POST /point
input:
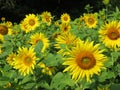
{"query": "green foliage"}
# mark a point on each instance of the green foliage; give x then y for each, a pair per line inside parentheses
(60, 81)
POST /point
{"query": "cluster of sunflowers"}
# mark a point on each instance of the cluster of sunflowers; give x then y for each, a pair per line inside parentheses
(42, 53)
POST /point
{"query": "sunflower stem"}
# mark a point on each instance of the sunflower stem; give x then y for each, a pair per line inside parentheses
(35, 80)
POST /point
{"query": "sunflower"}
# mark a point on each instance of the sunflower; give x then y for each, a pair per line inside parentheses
(84, 60)
(32, 21)
(10, 59)
(65, 27)
(65, 18)
(46, 70)
(24, 27)
(37, 37)
(65, 41)
(90, 20)
(5, 29)
(46, 17)
(25, 60)
(110, 34)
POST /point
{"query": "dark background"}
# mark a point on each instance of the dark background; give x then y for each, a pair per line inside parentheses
(15, 10)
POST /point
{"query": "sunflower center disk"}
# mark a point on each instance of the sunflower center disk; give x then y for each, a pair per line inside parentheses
(48, 19)
(3, 30)
(91, 21)
(27, 61)
(113, 34)
(38, 40)
(86, 60)
(65, 18)
(65, 28)
(32, 22)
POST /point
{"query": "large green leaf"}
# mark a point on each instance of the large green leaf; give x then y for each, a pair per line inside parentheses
(25, 80)
(2, 83)
(52, 60)
(61, 80)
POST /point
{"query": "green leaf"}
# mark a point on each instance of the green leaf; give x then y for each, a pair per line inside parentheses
(109, 62)
(29, 85)
(115, 55)
(10, 74)
(115, 87)
(25, 80)
(38, 48)
(6, 48)
(2, 83)
(106, 75)
(44, 85)
(61, 80)
(118, 68)
(51, 60)
(117, 9)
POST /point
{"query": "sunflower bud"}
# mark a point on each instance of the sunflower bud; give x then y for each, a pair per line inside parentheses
(106, 2)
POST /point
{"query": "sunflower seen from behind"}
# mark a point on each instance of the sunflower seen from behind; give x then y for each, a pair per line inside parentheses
(25, 60)
(31, 21)
(84, 60)
(39, 37)
(24, 28)
(65, 18)
(110, 35)
(65, 41)
(90, 20)
(10, 59)
(46, 17)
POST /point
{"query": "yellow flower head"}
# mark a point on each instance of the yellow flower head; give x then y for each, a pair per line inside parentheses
(37, 37)
(110, 34)
(24, 27)
(32, 21)
(10, 59)
(90, 20)
(5, 29)
(46, 70)
(65, 18)
(85, 60)
(65, 41)
(65, 27)
(25, 60)
(46, 17)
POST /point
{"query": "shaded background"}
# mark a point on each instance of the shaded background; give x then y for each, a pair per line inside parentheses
(15, 10)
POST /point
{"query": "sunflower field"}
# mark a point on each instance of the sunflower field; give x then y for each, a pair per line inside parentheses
(41, 53)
